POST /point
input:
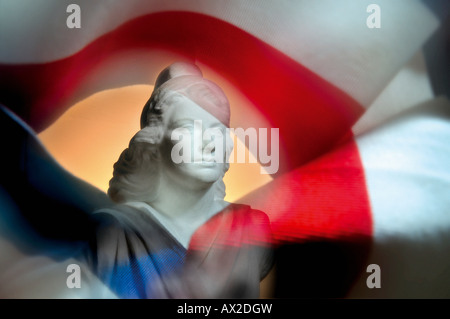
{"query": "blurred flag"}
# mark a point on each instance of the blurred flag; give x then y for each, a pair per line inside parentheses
(310, 69)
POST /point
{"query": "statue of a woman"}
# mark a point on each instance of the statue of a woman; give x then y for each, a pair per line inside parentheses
(171, 233)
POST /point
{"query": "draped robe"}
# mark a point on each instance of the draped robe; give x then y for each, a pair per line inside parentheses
(138, 258)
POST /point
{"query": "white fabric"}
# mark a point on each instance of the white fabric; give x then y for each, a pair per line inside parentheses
(35, 276)
(329, 37)
(408, 88)
(407, 169)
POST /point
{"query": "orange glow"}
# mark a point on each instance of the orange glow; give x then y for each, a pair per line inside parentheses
(88, 139)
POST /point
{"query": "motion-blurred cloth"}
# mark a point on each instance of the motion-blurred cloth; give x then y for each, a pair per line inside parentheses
(309, 69)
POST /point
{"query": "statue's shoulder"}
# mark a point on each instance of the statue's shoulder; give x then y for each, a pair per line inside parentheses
(118, 216)
(255, 222)
(248, 211)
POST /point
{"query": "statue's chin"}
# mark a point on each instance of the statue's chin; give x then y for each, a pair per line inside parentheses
(203, 178)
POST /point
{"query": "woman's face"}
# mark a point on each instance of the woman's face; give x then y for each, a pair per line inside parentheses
(193, 148)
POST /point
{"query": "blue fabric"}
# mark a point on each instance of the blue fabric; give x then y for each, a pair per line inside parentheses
(129, 280)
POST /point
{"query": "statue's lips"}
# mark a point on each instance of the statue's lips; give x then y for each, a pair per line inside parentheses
(210, 163)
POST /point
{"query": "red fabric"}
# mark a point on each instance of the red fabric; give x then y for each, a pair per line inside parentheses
(324, 200)
(311, 113)
(237, 225)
